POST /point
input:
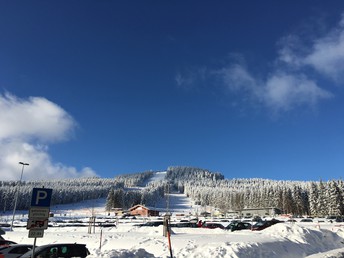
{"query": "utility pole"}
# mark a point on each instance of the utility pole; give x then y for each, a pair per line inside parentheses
(17, 192)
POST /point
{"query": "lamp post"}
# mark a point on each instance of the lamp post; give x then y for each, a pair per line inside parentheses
(17, 191)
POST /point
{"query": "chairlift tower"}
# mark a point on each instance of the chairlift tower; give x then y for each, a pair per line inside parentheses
(168, 199)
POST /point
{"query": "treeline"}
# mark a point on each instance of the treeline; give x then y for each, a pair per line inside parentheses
(176, 173)
(295, 197)
(135, 179)
(135, 190)
(78, 189)
(125, 199)
(315, 198)
(64, 191)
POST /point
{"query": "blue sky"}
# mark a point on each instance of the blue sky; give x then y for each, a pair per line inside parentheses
(245, 88)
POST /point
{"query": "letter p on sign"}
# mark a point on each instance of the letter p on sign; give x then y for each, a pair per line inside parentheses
(41, 197)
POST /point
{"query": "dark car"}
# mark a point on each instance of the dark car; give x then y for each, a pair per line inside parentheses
(265, 224)
(4, 242)
(239, 226)
(306, 220)
(150, 224)
(212, 225)
(59, 250)
(184, 225)
(15, 250)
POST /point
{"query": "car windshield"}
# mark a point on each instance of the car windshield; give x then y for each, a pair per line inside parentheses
(63, 250)
(261, 223)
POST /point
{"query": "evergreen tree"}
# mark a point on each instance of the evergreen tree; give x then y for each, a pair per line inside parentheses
(341, 190)
(110, 200)
(313, 199)
(335, 199)
(118, 198)
(298, 199)
(322, 200)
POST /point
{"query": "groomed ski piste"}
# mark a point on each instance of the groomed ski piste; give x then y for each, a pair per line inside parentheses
(284, 240)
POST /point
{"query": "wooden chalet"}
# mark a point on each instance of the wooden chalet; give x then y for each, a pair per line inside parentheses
(143, 211)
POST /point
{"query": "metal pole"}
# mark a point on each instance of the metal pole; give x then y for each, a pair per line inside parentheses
(17, 192)
(34, 247)
(101, 235)
(169, 239)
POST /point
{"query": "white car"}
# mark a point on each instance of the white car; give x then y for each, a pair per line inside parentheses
(14, 251)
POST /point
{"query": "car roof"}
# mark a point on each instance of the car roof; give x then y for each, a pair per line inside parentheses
(42, 247)
(16, 245)
(10, 247)
(58, 244)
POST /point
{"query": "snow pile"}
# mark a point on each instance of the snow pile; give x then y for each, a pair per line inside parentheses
(127, 240)
(278, 241)
(140, 253)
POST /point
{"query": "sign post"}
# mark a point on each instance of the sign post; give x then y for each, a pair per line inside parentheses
(39, 213)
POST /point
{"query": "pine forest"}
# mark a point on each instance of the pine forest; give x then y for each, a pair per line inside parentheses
(205, 188)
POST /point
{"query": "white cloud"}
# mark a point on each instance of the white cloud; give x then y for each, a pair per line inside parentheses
(283, 92)
(33, 118)
(188, 80)
(237, 78)
(324, 54)
(290, 83)
(280, 92)
(290, 51)
(27, 126)
(327, 55)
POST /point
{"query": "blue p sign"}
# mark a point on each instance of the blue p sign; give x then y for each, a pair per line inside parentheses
(41, 197)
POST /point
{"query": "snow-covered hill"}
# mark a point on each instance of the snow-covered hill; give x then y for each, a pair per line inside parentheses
(284, 240)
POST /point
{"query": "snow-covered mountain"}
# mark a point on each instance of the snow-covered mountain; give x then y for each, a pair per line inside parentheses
(201, 186)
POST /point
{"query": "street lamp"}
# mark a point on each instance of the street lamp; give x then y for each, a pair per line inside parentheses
(17, 191)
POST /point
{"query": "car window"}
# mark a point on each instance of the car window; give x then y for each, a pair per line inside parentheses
(73, 250)
(77, 251)
(20, 250)
(64, 249)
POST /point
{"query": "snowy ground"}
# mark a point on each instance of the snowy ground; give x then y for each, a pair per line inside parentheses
(312, 239)
(126, 240)
(281, 240)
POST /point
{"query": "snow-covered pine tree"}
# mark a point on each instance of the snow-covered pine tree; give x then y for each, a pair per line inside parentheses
(110, 200)
(334, 197)
(313, 199)
(322, 200)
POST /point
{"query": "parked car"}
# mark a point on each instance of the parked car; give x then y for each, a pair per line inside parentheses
(128, 216)
(4, 242)
(15, 250)
(184, 225)
(212, 225)
(59, 250)
(150, 224)
(306, 220)
(334, 219)
(239, 226)
(265, 224)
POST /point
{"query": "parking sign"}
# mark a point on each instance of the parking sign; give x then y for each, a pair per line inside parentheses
(41, 197)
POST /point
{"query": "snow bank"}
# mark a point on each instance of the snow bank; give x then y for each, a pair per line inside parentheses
(279, 241)
(282, 240)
